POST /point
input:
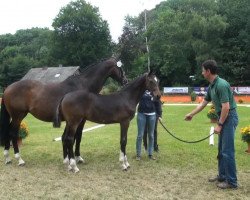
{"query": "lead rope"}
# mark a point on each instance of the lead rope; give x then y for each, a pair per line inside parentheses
(184, 140)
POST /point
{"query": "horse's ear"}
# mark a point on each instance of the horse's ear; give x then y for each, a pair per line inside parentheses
(151, 72)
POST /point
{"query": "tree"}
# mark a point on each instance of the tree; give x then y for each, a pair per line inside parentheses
(81, 36)
(14, 68)
(181, 34)
(22, 51)
(132, 47)
(236, 47)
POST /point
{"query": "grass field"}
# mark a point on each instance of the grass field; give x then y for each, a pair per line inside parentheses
(180, 171)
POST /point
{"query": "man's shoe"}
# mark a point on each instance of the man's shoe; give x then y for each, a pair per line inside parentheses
(214, 179)
(226, 185)
(151, 157)
(138, 158)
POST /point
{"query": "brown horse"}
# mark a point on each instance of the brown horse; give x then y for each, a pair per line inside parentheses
(41, 100)
(79, 106)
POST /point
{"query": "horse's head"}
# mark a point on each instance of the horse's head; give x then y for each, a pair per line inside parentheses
(152, 84)
(118, 73)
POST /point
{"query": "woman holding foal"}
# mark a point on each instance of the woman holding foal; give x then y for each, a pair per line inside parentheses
(146, 118)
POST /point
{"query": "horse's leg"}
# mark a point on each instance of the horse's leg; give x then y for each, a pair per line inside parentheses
(123, 142)
(78, 138)
(65, 151)
(69, 143)
(6, 152)
(14, 129)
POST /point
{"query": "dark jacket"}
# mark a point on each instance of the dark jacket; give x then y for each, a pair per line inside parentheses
(149, 104)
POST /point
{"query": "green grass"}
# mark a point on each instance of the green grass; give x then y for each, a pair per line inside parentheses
(180, 171)
(105, 141)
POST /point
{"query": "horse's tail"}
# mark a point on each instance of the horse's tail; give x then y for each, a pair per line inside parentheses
(58, 116)
(4, 124)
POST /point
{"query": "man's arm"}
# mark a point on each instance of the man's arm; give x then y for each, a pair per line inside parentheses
(199, 108)
(225, 107)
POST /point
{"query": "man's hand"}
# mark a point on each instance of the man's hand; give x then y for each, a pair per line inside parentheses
(188, 117)
(160, 119)
(217, 130)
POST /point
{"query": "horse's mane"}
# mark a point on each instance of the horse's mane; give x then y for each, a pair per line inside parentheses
(138, 78)
(87, 69)
(83, 70)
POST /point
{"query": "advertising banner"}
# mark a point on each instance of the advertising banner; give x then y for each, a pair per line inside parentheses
(241, 90)
(175, 90)
(200, 91)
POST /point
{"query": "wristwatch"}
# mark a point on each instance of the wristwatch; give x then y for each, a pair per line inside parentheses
(220, 124)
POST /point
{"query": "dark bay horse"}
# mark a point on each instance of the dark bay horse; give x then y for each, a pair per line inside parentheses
(41, 100)
(119, 107)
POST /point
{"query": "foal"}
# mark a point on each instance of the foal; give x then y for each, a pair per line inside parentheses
(79, 106)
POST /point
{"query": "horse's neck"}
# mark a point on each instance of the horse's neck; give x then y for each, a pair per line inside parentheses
(136, 89)
(96, 82)
(93, 80)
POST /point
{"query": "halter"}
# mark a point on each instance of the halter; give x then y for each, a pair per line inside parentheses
(122, 73)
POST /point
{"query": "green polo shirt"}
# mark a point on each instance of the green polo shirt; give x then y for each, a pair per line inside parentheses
(220, 92)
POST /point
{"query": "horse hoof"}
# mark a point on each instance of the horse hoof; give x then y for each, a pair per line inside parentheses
(70, 168)
(76, 170)
(79, 159)
(7, 162)
(21, 164)
(124, 167)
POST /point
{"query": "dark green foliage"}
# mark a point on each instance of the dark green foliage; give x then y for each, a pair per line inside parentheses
(184, 33)
(22, 51)
(81, 37)
(181, 34)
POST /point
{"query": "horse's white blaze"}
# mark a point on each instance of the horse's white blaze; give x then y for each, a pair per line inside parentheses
(79, 159)
(7, 156)
(19, 159)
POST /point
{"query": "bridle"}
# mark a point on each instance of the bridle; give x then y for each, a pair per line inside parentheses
(124, 79)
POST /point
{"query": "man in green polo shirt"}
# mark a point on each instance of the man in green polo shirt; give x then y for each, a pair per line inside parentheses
(219, 92)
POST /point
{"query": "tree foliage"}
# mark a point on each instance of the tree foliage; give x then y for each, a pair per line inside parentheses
(236, 51)
(181, 34)
(184, 33)
(81, 36)
(22, 51)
